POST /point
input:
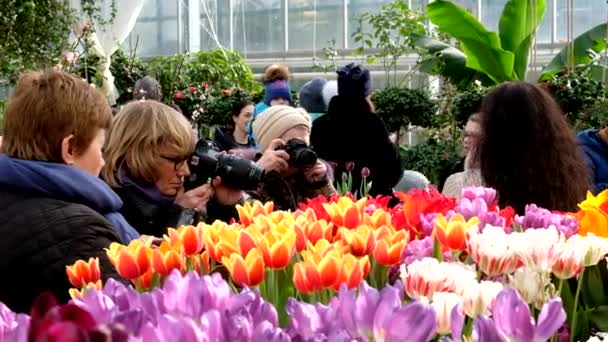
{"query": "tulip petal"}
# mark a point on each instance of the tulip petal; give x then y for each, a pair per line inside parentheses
(352, 217)
(127, 266)
(551, 318)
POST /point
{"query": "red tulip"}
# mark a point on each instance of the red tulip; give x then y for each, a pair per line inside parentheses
(180, 96)
(192, 90)
(365, 172)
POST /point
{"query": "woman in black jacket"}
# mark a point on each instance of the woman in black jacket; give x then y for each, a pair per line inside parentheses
(54, 210)
(146, 162)
(236, 135)
(352, 133)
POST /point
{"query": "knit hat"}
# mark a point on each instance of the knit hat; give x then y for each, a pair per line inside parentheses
(275, 121)
(329, 91)
(147, 88)
(311, 95)
(277, 89)
(354, 81)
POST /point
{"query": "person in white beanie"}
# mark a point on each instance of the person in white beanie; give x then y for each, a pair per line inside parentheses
(286, 184)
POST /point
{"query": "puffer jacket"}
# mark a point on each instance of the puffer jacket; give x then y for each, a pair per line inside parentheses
(40, 237)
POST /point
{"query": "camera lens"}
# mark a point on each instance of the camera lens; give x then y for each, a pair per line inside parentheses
(306, 158)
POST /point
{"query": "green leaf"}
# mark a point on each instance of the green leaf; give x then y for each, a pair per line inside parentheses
(482, 47)
(599, 317)
(518, 23)
(591, 41)
(593, 288)
(445, 60)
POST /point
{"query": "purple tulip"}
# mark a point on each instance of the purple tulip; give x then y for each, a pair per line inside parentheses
(412, 322)
(13, 326)
(536, 217)
(305, 322)
(511, 320)
(486, 194)
(471, 208)
(427, 223)
(419, 249)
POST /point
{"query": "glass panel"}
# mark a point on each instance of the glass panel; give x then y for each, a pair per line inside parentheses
(587, 14)
(543, 35)
(355, 9)
(306, 16)
(490, 13)
(156, 29)
(258, 25)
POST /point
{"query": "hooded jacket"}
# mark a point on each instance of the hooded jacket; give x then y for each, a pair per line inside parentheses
(596, 153)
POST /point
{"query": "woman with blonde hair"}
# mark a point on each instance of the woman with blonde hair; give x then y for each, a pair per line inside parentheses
(146, 162)
(54, 209)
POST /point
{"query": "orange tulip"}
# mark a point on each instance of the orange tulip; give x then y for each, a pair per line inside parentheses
(247, 211)
(320, 267)
(222, 240)
(201, 263)
(352, 271)
(453, 234)
(278, 247)
(248, 271)
(380, 218)
(346, 213)
(77, 293)
(82, 272)
(361, 240)
(165, 259)
(190, 238)
(389, 247)
(145, 280)
(130, 261)
(593, 215)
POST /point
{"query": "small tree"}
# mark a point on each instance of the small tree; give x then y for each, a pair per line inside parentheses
(390, 32)
(400, 107)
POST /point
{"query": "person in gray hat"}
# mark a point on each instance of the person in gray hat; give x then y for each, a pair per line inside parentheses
(411, 180)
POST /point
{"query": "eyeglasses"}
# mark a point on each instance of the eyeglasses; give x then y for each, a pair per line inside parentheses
(178, 162)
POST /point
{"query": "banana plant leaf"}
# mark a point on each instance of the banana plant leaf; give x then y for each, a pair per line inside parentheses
(481, 47)
(444, 60)
(585, 46)
(517, 27)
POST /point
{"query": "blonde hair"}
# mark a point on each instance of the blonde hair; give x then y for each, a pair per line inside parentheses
(141, 133)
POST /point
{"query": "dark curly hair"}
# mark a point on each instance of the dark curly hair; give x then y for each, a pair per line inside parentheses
(527, 150)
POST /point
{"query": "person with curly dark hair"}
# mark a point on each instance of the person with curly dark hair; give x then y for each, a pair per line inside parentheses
(528, 152)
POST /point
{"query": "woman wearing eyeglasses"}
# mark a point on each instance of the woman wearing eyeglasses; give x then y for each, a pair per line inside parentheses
(146, 162)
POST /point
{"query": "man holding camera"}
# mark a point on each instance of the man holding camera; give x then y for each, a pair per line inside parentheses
(293, 171)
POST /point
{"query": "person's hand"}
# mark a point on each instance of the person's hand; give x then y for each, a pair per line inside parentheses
(196, 198)
(316, 173)
(247, 153)
(273, 160)
(151, 241)
(224, 195)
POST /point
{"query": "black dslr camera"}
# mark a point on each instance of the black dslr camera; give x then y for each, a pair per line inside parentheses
(300, 155)
(236, 172)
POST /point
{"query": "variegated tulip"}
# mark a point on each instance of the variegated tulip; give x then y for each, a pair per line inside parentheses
(189, 237)
(278, 247)
(165, 259)
(360, 240)
(443, 303)
(538, 248)
(493, 251)
(478, 297)
(593, 215)
(569, 262)
(424, 277)
(79, 292)
(390, 246)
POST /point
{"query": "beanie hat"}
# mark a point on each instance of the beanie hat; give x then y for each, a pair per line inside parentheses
(277, 89)
(354, 81)
(311, 95)
(329, 91)
(275, 121)
(147, 88)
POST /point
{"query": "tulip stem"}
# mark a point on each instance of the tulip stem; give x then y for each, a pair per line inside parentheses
(575, 305)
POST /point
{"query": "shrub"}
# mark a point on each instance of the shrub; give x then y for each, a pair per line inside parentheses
(399, 107)
(429, 158)
(466, 103)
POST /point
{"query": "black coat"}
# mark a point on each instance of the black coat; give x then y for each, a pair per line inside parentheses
(40, 237)
(351, 133)
(153, 218)
(224, 140)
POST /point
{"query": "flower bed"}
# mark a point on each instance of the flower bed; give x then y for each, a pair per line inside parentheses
(344, 270)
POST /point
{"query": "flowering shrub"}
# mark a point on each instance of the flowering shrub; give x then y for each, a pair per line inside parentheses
(345, 269)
